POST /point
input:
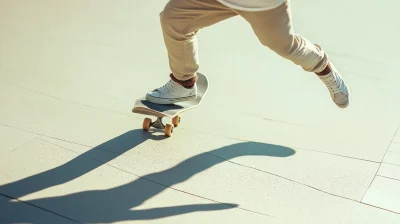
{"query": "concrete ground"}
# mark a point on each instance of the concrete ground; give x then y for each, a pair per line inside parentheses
(273, 150)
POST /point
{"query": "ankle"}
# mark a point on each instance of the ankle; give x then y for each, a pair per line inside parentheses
(326, 71)
(185, 83)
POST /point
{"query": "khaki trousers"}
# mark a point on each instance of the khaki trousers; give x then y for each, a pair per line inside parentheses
(182, 19)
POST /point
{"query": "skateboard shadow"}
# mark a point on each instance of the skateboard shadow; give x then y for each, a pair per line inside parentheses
(119, 203)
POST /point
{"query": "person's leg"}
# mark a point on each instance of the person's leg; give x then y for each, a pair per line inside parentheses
(274, 29)
(180, 21)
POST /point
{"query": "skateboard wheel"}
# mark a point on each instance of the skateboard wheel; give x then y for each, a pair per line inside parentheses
(176, 120)
(168, 130)
(146, 124)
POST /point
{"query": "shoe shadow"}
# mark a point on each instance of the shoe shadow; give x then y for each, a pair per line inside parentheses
(118, 204)
(161, 107)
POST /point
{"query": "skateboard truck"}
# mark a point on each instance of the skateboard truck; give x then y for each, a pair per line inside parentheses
(159, 124)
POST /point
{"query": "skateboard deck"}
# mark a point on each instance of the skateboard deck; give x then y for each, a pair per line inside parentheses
(142, 106)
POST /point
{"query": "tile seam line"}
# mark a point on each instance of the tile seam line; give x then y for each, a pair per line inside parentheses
(290, 180)
(23, 144)
(393, 164)
(394, 152)
(158, 183)
(386, 177)
(140, 177)
(94, 107)
(380, 164)
(188, 193)
(385, 209)
(137, 118)
(221, 158)
(39, 207)
(276, 175)
(68, 101)
(296, 148)
(210, 134)
(43, 135)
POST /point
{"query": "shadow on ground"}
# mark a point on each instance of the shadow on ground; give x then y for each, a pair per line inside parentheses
(118, 204)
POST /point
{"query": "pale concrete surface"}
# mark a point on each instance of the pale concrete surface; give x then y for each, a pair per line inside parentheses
(72, 152)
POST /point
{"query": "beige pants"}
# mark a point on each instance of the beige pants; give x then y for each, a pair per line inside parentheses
(182, 19)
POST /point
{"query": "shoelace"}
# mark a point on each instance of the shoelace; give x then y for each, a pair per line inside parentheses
(332, 83)
(168, 87)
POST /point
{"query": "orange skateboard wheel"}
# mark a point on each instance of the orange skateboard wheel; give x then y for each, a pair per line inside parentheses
(176, 120)
(146, 124)
(168, 130)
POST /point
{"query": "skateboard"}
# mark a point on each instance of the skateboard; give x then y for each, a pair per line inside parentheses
(142, 106)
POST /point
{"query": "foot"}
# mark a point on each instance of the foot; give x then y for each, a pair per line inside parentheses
(337, 87)
(172, 92)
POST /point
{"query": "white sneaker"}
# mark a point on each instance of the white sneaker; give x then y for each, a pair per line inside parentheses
(337, 87)
(172, 92)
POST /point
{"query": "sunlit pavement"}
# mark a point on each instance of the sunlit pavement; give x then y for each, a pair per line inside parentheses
(267, 145)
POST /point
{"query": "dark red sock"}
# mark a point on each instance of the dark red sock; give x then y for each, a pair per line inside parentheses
(186, 83)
